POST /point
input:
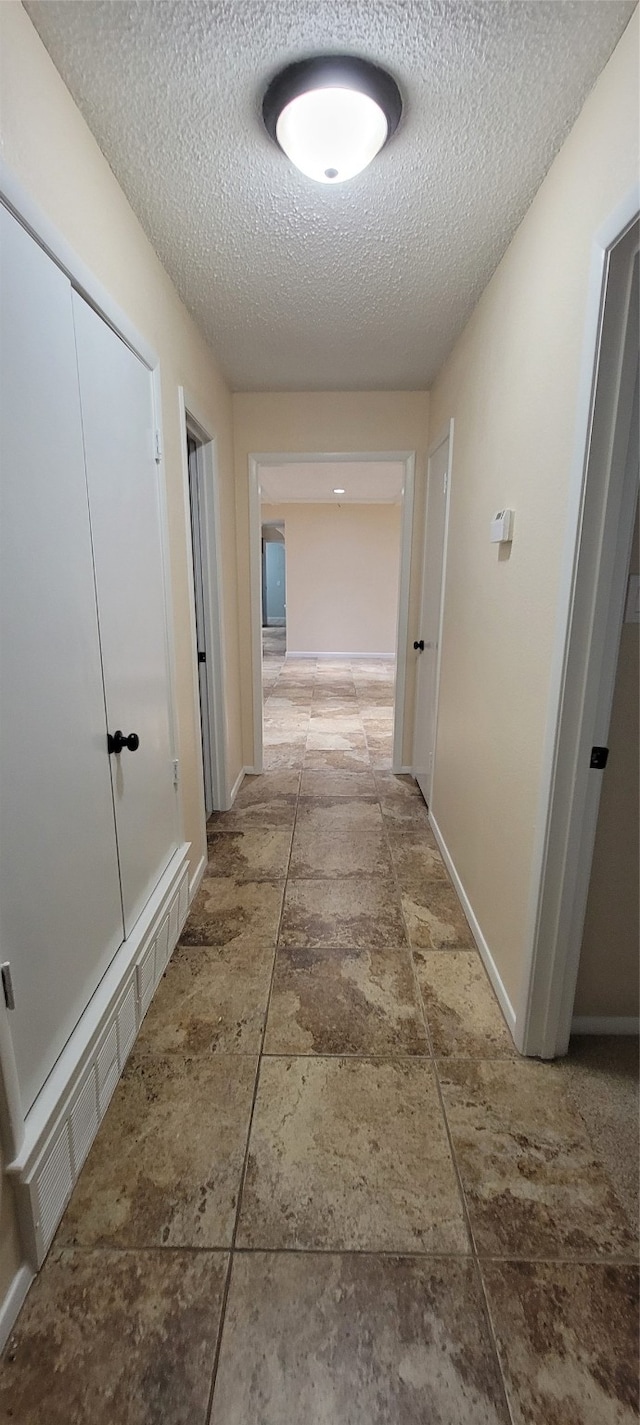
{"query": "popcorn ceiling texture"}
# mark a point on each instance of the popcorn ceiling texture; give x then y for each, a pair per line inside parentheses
(301, 286)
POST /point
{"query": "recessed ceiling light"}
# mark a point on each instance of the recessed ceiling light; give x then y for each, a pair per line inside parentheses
(338, 492)
(331, 115)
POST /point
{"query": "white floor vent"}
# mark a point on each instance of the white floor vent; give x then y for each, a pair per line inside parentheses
(83, 1121)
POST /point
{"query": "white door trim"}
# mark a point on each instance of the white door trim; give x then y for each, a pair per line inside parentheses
(209, 490)
(582, 678)
(256, 461)
(445, 434)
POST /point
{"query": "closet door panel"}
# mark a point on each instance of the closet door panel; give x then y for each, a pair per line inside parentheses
(60, 907)
(123, 479)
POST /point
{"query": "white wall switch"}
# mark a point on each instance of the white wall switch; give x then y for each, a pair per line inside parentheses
(502, 527)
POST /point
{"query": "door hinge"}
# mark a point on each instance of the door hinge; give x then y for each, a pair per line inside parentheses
(202, 657)
(175, 773)
(599, 757)
(7, 985)
(157, 447)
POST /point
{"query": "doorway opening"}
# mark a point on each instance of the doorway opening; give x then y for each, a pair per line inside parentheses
(204, 524)
(330, 625)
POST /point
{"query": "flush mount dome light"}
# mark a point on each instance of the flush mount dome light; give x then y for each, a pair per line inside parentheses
(331, 115)
(339, 491)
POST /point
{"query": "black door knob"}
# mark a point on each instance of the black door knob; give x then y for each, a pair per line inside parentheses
(117, 740)
(419, 644)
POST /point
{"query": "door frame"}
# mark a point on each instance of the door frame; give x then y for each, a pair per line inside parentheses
(583, 670)
(191, 420)
(258, 461)
(447, 433)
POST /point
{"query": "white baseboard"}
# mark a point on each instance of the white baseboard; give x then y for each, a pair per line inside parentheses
(236, 786)
(13, 1302)
(196, 878)
(346, 657)
(605, 1024)
(485, 953)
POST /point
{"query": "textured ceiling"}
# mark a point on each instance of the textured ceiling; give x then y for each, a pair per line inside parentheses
(312, 482)
(300, 285)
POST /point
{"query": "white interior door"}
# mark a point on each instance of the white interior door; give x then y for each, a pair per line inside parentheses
(431, 620)
(122, 475)
(60, 908)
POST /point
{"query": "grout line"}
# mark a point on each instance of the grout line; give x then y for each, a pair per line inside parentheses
(232, 1248)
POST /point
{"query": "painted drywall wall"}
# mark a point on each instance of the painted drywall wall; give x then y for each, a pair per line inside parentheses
(511, 384)
(610, 956)
(340, 422)
(343, 565)
(47, 145)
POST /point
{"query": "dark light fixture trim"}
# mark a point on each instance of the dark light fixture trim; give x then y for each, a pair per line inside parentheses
(332, 71)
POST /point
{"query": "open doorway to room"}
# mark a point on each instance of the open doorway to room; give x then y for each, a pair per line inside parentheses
(330, 625)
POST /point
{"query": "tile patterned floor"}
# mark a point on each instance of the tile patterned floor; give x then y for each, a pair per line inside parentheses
(327, 1190)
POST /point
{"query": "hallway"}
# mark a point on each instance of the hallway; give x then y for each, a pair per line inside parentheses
(327, 1190)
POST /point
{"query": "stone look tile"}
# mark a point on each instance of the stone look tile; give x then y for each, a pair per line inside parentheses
(532, 1184)
(350, 1154)
(165, 1167)
(601, 1076)
(290, 755)
(434, 917)
(462, 1011)
(567, 1336)
(363, 1340)
(352, 911)
(405, 813)
(396, 784)
(354, 759)
(327, 782)
(344, 1002)
(257, 854)
(338, 836)
(212, 999)
(416, 860)
(226, 911)
(106, 1337)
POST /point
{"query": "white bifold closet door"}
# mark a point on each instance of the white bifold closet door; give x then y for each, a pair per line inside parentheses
(123, 479)
(60, 907)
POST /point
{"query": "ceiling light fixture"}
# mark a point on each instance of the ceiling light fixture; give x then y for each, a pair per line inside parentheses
(331, 115)
(338, 492)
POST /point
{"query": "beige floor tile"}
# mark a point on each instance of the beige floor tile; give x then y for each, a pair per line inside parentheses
(352, 911)
(327, 782)
(416, 859)
(115, 1338)
(256, 854)
(354, 759)
(434, 917)
(405, 813)
(268, 787)
(463, 1014)
(165, 1167)
(226, 911)
(355, 1340)
(339, 836)
(288, 755)
(338, 740)
(567, 1336)
(212, 999)
(350, 1154)
(396, 784)
(344, 1002)
(532, 1183)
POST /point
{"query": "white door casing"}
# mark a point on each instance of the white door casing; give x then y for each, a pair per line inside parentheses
(432, 600)
(122, 475)
(57, 833)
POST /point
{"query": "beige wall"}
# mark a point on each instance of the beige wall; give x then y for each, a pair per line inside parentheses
(610, 957)
(314, 422)
(511, 384)
(343, 564)
(47, 144)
